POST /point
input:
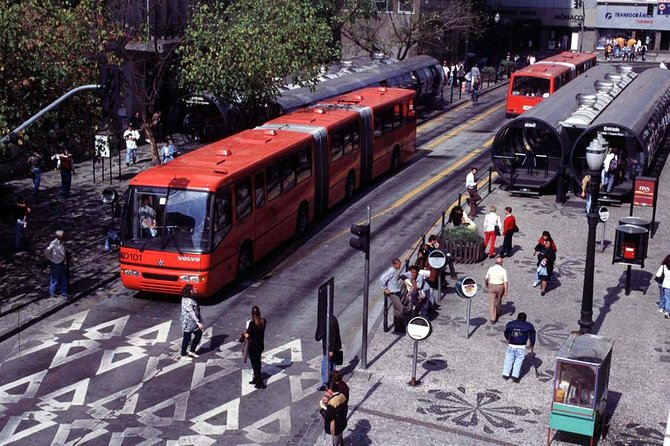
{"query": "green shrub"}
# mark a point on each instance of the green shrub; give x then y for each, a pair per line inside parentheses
(461, 234)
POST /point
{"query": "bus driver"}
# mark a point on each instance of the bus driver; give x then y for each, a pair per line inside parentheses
(147, 219)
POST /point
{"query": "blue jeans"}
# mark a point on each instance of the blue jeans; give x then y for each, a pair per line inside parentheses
(37, 177)
(130, 155)
(609, 181)
(664, 299)
(18, 234)
(58, 279)
(513, 360)
(65, 182)
(326, 370)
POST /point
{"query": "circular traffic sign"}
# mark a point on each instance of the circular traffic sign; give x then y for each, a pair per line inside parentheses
(603, 214)
(466, 287)
(437, 259)
(419, 328)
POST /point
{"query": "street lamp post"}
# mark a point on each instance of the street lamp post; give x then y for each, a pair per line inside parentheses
(496, 19)
(595, 156)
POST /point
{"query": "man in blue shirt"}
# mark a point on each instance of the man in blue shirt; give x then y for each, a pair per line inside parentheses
(518, 333)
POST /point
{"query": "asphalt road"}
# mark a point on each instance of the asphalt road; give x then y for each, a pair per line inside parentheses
(106, 368)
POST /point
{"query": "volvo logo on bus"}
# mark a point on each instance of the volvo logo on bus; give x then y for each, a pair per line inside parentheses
(161, 262)
(188, 259)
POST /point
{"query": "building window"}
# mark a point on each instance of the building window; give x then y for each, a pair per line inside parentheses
(406, 6)
(383, 5)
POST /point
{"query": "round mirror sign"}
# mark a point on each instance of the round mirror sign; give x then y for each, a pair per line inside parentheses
(466, 287)
(604, 214)
(419, 328)
(437, 259)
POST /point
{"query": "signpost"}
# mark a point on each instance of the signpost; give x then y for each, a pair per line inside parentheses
(645, 194)
(326, 297)
(418, 329)
(466, 288)
(604, 215)
(437, 259)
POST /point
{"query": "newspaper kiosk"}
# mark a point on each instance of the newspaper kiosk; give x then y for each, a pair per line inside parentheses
(581, 379)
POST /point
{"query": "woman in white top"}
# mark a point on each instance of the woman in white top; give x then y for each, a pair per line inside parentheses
(664, 287)
(490, 222)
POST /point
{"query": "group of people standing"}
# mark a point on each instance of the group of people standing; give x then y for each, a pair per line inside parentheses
(626, 49)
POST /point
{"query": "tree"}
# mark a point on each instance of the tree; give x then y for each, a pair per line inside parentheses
(396, 33)
(48, 47)
(243, 53)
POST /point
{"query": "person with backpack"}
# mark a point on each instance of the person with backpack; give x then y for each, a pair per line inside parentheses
(611, 166)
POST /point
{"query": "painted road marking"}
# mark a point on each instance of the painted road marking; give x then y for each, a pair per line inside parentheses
(455, 131)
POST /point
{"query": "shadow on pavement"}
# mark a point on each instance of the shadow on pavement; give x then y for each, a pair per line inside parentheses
(388, 347)
(359, 434)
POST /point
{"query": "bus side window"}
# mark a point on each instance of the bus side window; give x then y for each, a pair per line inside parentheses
(388, 119)
(355, 136)
(243, 198)
(304, 163)
(411, 113)
(348, 139)
(223, 214)
(397, 116)
(259, 183)
(288, 173)
(379, 124)
(336, 145)
(274, 180)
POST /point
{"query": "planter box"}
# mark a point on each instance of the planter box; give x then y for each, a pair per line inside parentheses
(469, 252)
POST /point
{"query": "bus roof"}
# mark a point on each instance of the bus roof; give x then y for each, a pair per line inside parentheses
(554, 65)
(316, 115)
(372, 96)
(214, 164)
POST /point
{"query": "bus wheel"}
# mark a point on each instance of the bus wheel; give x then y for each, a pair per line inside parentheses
(395, 159)
(244, 261)
(302, 221)
(350, 186)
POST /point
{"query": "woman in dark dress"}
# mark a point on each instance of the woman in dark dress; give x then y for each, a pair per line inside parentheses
(255, 335)
(546, 256)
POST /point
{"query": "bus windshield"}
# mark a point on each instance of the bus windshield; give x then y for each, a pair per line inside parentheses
(163, 219)
(530, 86)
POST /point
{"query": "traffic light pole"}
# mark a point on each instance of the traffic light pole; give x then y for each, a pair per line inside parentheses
(45, 110)
(366, 292)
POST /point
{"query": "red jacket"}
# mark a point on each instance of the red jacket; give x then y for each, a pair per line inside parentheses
(509, 224)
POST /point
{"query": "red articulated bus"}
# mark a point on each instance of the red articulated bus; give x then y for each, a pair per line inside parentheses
(205, 218)
(530, 85)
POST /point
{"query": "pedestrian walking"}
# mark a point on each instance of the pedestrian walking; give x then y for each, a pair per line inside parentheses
(518, 333)
(497, 287)
(330, 350)
(255, 335)
(546, 256)
(476, 86)
(390, 284)
(471, 187)
(663, 279)
(191, 323)
(509, 229)
(492, 227)
(131, 136)
(65, 165)
(21, 211)
(35, 163)
(57, 253)
(333, 408)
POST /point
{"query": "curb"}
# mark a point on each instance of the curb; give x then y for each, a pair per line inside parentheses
(54, 309)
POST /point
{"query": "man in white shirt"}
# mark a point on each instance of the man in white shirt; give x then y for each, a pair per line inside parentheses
(497, 287)
(610, 166)
(473, 196)
(131, 136)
